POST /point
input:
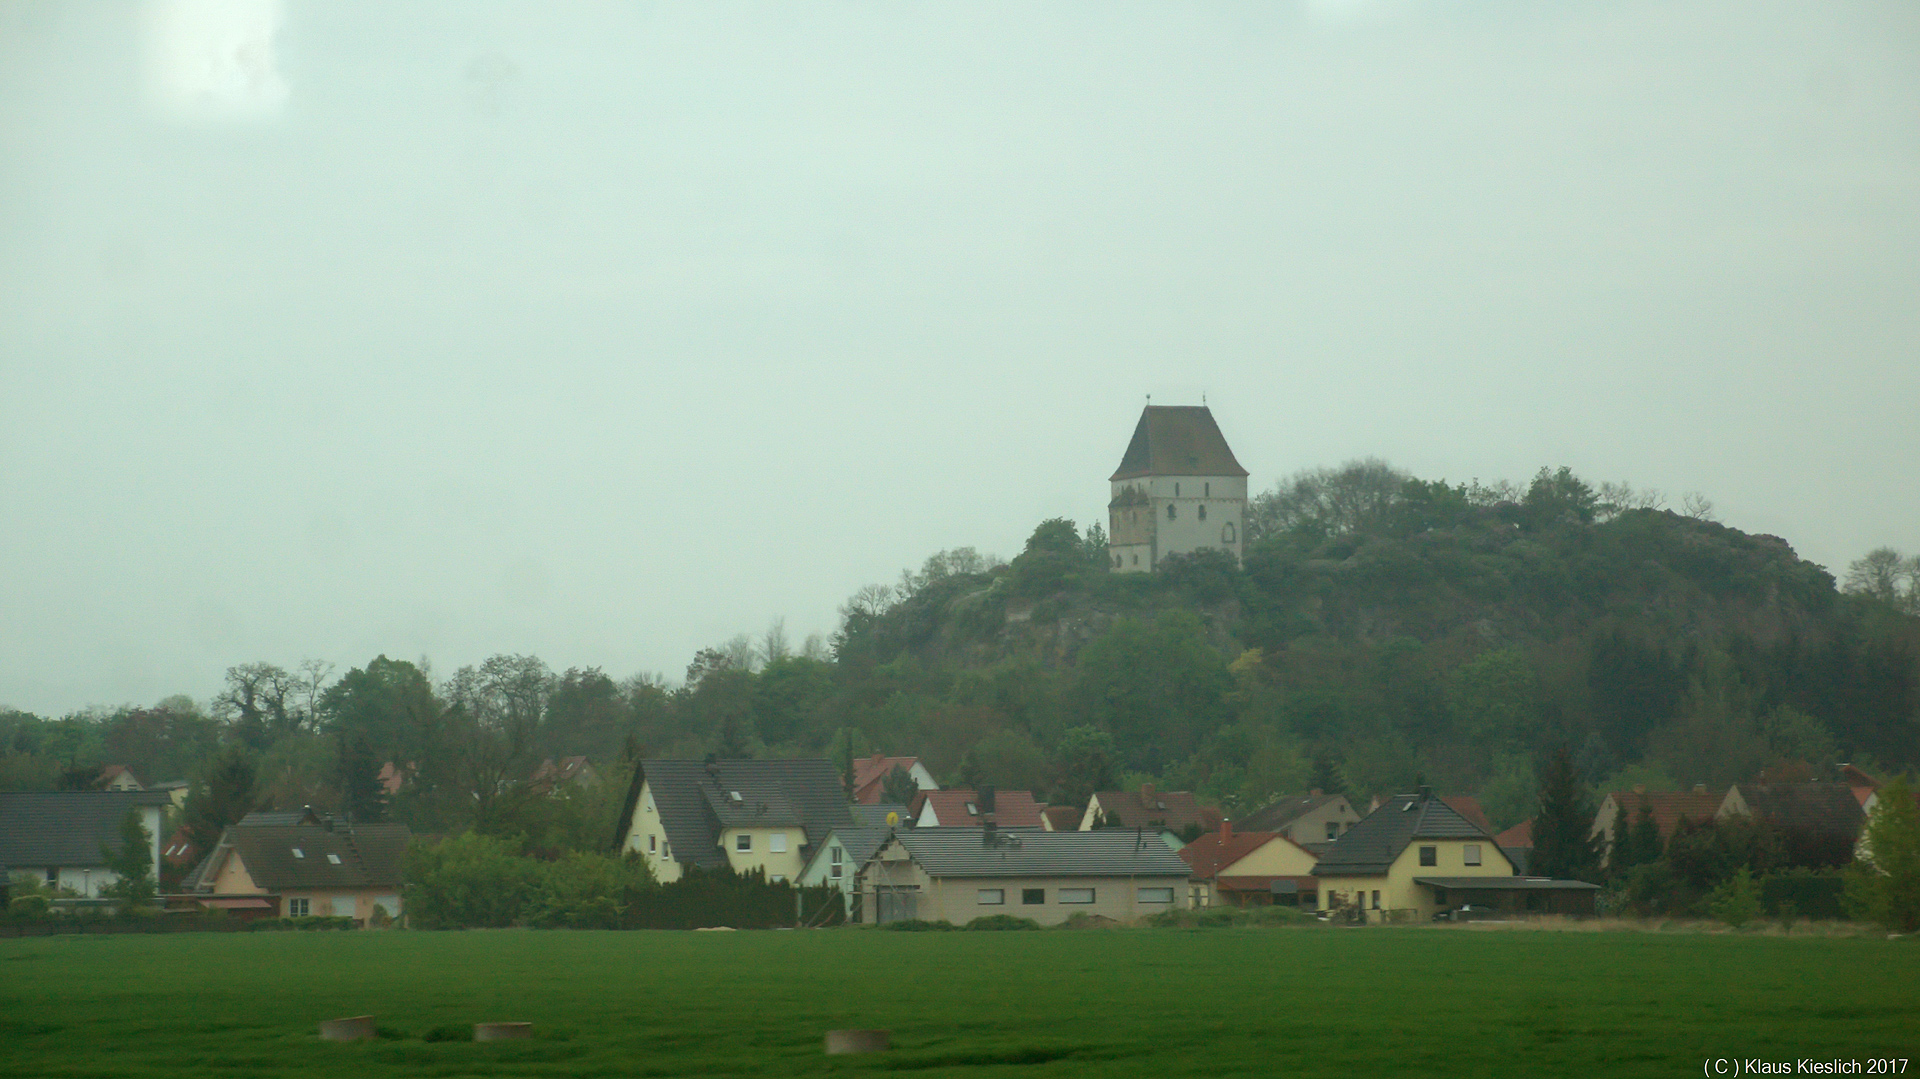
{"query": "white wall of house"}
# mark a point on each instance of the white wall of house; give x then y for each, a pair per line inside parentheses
(647, 836)
(88, 881)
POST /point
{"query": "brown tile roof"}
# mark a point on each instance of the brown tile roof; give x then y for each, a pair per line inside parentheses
(1063, 818)
(1520, 835)
(1177, 440)
(1265, 884)
(292, 857)
(1698, 807)
(1819, 822)
(1011, 809)
(870, 775)
(1213, 852)
(1149, 808)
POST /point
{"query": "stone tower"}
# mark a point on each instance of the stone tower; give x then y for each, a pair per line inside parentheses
(1177, 490)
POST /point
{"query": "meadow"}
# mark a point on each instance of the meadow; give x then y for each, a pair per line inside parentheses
(1315, 1001)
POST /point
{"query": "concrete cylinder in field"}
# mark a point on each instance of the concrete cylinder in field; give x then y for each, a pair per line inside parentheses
(351, 1029)
(858, 1041)
(500, 1032)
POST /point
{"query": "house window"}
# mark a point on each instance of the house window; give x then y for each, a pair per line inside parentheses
(1376, 901)
(298, 853)
(1429, 855)
(1136, 560)
(1333, 829)
(1203, 512)
(1226, 533)
(777, 843)
(833, 869)
(992, 897)
(653, 844)
(1156, 895)
(1206, 490)
(1033, 897)
(743, 841)
(1076, 895)
(1170, 513)
(299, 908)
(1176, 490)
(1471, 853)
(334, 859)
(1116, 561)
(972, 810)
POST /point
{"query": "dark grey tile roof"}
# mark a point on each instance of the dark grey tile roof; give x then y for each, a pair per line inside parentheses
(1370, 847)
(692, 797)
(962, 852)
(875, 816)
(368, 856)
(1275, 816)
(1177, 440)
(858, 842)
(65, 828)
(281, 817)
(1508, 884)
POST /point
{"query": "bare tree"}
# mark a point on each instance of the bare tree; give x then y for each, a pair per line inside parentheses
(1884, 574)
(256, 700)
(773, 643)
(816, 648)
(314, 674)
(1697, 506)
(1618, 498)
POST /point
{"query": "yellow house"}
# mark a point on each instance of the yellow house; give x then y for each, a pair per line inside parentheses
(315, 867)
(745, 815)
(1250, 869)
(1388, 864)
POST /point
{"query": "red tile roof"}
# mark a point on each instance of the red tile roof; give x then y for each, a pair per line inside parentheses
(1213, 852)
(1698, 807)
(1063, 818)
(870, 775)
(1149, 808)
(1307, 883)
(1520, 835)
(1011, 809)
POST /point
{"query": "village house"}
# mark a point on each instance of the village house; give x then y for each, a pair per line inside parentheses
(768, 816)
(1251, 869)
(956, 875)
(870, 776)
(1621, 809)
(1819, 824)
(960, 807)
(300, 864)
(1178, 491)
(1311, 818)
(58, 837)
(1417, 856)
(554, 775)
(1174, 816)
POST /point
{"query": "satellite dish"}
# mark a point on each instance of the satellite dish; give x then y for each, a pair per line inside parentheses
(893, 819)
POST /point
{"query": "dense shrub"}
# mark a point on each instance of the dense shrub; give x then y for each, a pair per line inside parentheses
(993, 922)
(916, 925)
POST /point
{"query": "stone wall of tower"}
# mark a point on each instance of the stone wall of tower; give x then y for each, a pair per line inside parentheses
(1152, 517)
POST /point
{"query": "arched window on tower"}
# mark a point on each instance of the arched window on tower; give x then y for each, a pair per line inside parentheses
(1226, 533)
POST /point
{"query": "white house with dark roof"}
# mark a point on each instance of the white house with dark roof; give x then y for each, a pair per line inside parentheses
(1178, 490)
(959, 874)
(57, 836)
(746, 815)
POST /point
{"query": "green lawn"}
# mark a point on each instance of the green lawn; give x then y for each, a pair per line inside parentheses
(1350, 1003)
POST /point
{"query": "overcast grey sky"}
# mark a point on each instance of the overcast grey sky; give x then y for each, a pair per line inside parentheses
(604, 332)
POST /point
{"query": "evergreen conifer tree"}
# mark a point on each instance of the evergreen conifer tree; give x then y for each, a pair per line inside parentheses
(1563, 845)
(132, 863)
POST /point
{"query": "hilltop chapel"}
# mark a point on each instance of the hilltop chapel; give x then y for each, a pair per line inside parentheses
(1178, 490)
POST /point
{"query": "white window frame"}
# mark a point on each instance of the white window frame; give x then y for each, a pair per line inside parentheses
(991, 897)
(1073, 897)
(743, 842)
(1470, 854)
(836, 862)
(777, 843)
(299, 907)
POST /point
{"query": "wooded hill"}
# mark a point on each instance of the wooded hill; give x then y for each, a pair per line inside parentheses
(1384, 631)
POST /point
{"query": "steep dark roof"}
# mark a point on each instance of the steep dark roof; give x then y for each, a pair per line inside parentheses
(875, 815)
(695, 801)
(1370, 847)
(953, 852)
(1507, 884)
(368, 856)
(1177, 440)
(1818, 822)
(1282, 812)
(66, 828)
(859, 842)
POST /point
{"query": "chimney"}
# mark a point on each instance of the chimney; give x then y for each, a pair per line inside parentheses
(984, 796)
(1699, 788)
(1426, 794)
(1226, 829)
(1314, 793)
(1146, 792)
(988, 834)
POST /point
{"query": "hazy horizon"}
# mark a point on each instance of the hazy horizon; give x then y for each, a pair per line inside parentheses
(609, 332)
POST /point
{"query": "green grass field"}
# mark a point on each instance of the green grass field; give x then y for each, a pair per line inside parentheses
(1350, 1003)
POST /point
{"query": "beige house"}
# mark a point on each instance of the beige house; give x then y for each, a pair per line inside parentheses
(957, 875)
(1386, 864)
(767, 816)
(1178, 490)
(313, 867)
(1310, 818)
(1251, 869)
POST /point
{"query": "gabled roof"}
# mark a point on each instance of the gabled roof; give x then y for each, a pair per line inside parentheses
(1011, 809)
(875, 815)
(1520, 835)
(295, 857)
(1697, 806)
(65, 828)
(1469, 807)
(1370, 847)
(552, 773)
(1281, 812)
(1177, 440)
(1061, 818)
(115, 771)
(695, 800)
(1214, 852)
(1820, 822)
(870, 775)
(858, 842)
(945, 852)
(1149, 808)
(266, 818)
